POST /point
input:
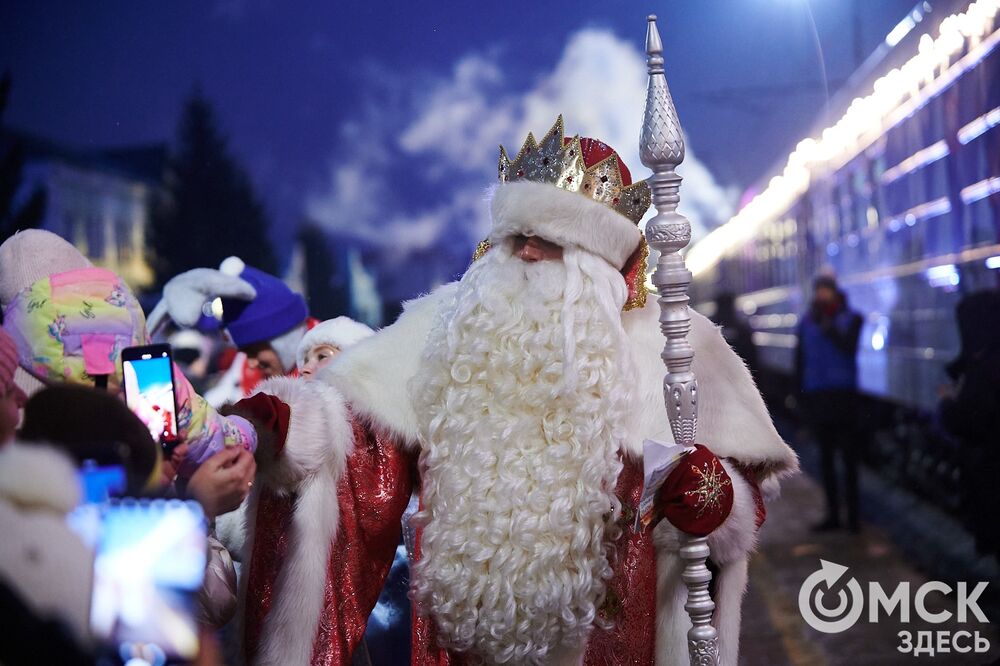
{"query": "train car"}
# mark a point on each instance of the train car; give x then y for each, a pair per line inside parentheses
(897, 195)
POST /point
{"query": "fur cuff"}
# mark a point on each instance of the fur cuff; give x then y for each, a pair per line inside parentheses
(319, 434)
(564, 218)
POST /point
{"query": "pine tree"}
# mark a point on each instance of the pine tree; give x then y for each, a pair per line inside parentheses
(29, 215)
(210, 210)
(325, 281)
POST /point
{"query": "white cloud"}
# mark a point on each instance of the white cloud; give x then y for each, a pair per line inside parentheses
(450, 131)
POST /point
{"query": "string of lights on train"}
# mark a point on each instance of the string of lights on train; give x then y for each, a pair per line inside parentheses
(894, 97)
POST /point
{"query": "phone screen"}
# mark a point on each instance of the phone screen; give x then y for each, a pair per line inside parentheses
(149, 392)
(101, 483)
(149, 565)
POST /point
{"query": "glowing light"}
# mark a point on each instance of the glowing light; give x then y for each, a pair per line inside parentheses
(215, 309)
(993, 262)
(784, 340)
(980, 190)
(945, 275)
(921, 158)
(894, 97)
(924, 211)
(979, 126)
(881, 334)
(901, 30)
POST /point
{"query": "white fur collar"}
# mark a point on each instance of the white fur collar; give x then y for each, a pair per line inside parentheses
(38, 477)
(374, 375)
(733, 421)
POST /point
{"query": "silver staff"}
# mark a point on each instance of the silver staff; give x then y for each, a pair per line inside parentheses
(662, 149)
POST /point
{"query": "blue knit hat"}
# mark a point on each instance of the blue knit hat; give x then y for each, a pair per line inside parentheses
(276, 310)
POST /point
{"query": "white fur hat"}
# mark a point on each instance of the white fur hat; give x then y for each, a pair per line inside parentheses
(572, 192)
(341, 332)
(564, 218)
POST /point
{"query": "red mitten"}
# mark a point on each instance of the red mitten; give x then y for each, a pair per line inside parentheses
(269, 414)
(698, 495)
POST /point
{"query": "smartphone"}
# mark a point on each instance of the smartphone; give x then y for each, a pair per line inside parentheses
(149, 565)
(149, 390)
(101, 482)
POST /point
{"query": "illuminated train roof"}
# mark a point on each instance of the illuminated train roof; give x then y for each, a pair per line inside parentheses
(962, 41)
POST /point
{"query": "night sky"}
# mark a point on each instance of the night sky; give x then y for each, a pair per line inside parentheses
(367, 114)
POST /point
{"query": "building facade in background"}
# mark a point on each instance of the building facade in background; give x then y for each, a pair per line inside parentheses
(98, 199)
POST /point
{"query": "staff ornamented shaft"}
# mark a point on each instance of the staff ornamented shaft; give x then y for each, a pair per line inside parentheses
(661, 147)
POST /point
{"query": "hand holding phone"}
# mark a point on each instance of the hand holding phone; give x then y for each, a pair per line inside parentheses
(149, 390)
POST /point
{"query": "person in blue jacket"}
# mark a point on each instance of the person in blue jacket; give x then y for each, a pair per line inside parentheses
(827, 374)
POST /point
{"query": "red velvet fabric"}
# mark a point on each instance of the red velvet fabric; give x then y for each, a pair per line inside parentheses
(594, 150)
(372, 495)
(697, 496)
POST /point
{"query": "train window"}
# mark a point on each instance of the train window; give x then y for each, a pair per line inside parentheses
(984, 218)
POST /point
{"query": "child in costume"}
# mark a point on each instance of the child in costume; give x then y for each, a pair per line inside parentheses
(326, 340)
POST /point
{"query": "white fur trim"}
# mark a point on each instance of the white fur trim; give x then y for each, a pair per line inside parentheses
(291, 625)
(340, 332)
(39, 477)
(319, 433)
(673, 622)
(320, 439)
(374, 374)
(733, 420)
(564, 218)
(730, 546)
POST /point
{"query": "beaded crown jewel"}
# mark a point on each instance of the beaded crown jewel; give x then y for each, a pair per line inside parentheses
(559, 161)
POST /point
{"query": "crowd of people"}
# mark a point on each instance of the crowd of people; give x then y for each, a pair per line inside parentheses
(491, 439)
(57, 417)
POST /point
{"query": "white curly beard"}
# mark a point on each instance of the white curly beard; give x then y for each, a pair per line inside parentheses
(523, 397)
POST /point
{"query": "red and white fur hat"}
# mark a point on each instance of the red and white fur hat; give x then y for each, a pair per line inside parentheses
(574, 191)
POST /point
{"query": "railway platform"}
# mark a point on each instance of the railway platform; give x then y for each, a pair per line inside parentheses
(902, 541)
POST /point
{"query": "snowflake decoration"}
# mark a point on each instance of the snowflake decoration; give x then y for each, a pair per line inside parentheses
(712, 482)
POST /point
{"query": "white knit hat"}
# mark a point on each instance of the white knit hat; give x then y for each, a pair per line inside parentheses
(341, 332)
(28, 256)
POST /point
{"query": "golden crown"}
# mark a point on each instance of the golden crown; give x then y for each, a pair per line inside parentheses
(559, 162)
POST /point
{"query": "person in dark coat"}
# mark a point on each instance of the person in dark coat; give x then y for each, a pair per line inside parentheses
(970, 410)
(736, 330)
(827, 380)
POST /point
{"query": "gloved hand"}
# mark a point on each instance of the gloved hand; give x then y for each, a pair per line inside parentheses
(697, 495)
(185, 295)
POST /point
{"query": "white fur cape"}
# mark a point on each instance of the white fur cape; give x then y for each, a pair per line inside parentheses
(372, 377)
(733, 423)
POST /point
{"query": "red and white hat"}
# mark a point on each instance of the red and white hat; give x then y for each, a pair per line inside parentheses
(574, 191)
(340, 332)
